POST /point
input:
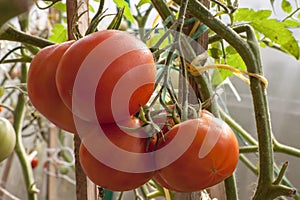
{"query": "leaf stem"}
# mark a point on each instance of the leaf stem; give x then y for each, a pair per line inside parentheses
(278, 147)
(281, 173)
(12, 34)
(249, 164)
(184, 84)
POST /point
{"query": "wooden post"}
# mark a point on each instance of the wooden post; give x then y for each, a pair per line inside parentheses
(52, 180)
(85, 189)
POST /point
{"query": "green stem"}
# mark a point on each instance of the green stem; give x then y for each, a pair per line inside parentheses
(249, 149)
(19, 114)
(234, 125)
(12, 34)
(281, 174)
(249, 164)
(278, 147)
(184, 84)
(154, 194)
(230, 187)
(291, 15)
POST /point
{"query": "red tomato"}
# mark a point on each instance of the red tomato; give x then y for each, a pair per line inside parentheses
(162, 182)
(211, 157)
(34, 162)
(42, 90)
(109, 177)
(104, 59)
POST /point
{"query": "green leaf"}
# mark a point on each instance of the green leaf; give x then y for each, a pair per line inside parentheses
(215, 53)
(219, 75)
(291, 23)
(60, 6)
(246, 14)
(127, 12)
(142, 2)
(58, 34)
(234, 60)
(278, 33)
(286, 6)
(91, 8)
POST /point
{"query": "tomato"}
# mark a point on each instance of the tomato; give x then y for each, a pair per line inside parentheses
(114, 177)
(7, 138)
(211, 157)
(162, 182)
(42, 90)
(34, 162)
(101, 65)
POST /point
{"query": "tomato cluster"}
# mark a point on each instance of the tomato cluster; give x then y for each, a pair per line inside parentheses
(100, 82)
(120, 68)
(118, 55)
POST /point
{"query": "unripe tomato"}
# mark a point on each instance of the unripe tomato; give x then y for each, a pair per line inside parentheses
(42, 89)
(101, 65)
(211, 157)
(7, 138)
(113, 177)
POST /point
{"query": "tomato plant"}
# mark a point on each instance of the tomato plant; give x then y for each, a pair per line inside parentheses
(7, 138)
(106, 176)
(42, 89)
(116, 56)
(211, 157)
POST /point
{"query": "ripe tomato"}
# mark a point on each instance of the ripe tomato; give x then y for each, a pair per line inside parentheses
(101, 65)
(211, 157)
(34, 162)
(114, 177)
(7, 138)
(42, 89)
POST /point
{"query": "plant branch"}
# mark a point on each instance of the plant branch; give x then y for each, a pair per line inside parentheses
(278, 147)
(249, 164)
(249, 149)
(19, 114)
(12, 34)
(233, 124)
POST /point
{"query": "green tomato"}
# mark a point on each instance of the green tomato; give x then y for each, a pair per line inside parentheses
(7, 138)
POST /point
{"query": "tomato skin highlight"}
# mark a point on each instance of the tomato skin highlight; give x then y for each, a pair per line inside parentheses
(42, 90)
(106, 176)
(7, 138)
(190, 172)
(96, 53)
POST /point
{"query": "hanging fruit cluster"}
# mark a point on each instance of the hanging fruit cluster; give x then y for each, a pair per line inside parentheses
(95, 87)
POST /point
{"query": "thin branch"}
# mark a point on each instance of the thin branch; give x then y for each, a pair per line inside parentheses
(12, 34)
